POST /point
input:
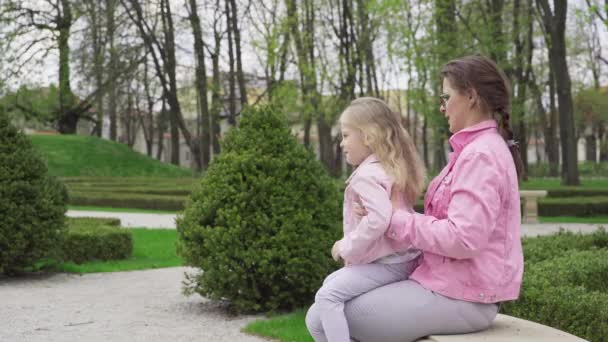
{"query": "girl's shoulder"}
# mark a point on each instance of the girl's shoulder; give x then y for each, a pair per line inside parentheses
(374, 171)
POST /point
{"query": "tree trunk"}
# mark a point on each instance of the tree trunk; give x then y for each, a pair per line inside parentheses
(162, 127)
(231, 82)
(555, 24)
(603, 137)
(446, 49)
(551, 145)
(112, 86)
(216, 104)
(98, 62)
(148, 120)
(237, 45)
(201, 85)
(68, 121)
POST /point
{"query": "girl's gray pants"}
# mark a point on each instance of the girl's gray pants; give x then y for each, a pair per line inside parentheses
(401, 311)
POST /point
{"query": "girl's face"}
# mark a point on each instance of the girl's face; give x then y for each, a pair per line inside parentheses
(456, 107)
(353, 144)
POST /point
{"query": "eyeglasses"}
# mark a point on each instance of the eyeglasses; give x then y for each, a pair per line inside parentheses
(443, 99)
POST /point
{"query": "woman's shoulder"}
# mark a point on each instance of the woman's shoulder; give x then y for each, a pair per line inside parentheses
(491, 145)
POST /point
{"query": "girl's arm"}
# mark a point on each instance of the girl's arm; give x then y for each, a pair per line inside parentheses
(376, 201)
(471, 218)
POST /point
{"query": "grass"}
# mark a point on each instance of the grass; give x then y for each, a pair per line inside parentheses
(120, 210)
(77, 156)
(555, 184)
(289, 327)
(573, 219)
(152, 248)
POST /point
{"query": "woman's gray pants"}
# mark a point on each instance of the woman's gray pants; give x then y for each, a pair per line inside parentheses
(405, 311)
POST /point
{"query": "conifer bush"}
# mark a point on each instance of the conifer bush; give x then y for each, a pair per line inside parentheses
(32, 204)
(261, 223)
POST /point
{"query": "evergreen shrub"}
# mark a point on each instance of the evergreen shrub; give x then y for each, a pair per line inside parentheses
(32, 204)
(566, 284)
(261, 223)
(90, 239)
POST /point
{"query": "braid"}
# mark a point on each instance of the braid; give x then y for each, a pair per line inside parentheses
(504, 127)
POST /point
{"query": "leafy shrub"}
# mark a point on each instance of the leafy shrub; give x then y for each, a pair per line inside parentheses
(263, 220)
(32, 204)
(553, 246)
(94, 241)
(566, 284)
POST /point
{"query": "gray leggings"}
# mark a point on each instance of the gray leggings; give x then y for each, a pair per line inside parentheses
(405, 311)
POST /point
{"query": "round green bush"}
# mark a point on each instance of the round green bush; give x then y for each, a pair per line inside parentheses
(32, 204)
(262, 222)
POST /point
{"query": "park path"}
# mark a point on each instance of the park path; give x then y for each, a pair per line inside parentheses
(167, 221)
(120, 306)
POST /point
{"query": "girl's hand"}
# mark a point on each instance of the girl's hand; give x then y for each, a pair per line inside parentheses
(335, 251)
(359, 210)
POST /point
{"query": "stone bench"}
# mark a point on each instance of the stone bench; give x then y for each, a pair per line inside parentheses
(510, 329)
(530, 204)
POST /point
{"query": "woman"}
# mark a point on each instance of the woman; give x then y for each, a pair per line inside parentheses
(470, 233)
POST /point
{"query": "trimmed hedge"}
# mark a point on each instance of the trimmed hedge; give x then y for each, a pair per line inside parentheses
(92, 239)
(573, 206)
(117, 200)
(560, 193)
(566, 283)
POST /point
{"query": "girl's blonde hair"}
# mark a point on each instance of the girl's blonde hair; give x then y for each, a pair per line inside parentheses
(389, 141)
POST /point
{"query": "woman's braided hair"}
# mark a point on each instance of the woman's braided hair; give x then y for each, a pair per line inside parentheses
(491, 85)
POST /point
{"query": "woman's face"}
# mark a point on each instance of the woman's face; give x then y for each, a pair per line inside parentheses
(456, 107)
(353, 144)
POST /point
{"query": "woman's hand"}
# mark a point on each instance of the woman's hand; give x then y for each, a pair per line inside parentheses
(335, 251)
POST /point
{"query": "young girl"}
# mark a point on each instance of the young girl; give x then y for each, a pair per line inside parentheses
(388, 166)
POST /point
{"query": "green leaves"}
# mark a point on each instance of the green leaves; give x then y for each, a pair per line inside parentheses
(32, 204)
(262, 221)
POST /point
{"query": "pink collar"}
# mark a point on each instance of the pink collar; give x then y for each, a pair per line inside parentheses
(370, 159)
(463, 137)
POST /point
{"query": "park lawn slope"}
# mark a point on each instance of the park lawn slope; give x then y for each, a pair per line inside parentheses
(79, 156)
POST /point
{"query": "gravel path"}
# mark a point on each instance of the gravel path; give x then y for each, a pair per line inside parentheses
(122, 306)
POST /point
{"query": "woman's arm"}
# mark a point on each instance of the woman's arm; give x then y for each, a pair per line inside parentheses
(376, 201)
(471, 218)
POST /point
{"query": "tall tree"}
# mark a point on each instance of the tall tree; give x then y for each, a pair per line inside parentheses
(163, 55)
(554, 21)
(201, 85)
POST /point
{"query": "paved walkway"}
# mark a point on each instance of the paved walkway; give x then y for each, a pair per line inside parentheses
(167, 221)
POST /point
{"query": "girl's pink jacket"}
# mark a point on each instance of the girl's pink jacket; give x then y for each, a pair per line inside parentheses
(470, 232)
(364, 238)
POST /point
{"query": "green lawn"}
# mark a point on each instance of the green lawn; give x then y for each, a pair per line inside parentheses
(152, 248)
(78, 155)
(288, 328)
(555, 184)
(573, 219)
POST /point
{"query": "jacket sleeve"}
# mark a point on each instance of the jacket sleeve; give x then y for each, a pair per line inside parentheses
(376, 201)
(472, 212)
